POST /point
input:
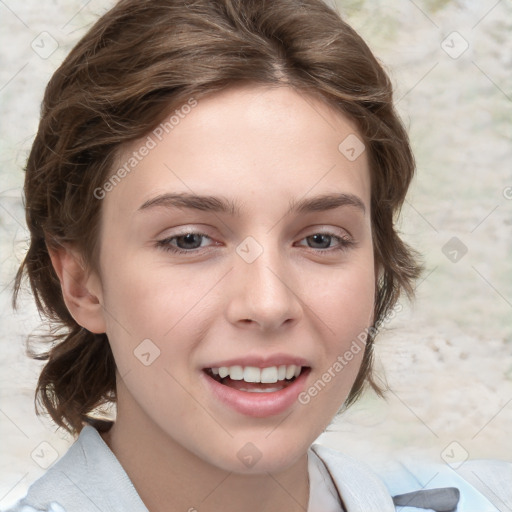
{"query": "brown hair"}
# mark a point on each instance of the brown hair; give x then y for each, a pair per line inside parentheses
(145, 57)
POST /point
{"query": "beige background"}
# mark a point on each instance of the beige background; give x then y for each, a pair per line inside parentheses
(448, 359)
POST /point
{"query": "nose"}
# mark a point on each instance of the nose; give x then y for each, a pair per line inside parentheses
(265, 295)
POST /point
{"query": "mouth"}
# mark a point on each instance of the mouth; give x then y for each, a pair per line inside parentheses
(252, 379)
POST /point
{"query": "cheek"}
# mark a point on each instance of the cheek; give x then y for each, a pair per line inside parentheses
(335, 376)
(344, 297)
(346, 310)
(146, 301)
(148, 295)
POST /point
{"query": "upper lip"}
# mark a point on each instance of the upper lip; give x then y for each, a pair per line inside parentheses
(261, 361)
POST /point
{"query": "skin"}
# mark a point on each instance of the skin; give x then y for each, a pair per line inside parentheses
(261, 147)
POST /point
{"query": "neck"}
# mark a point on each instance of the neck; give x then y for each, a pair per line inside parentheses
(170, 478)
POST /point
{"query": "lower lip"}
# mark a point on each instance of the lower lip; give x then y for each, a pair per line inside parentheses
(258, 405)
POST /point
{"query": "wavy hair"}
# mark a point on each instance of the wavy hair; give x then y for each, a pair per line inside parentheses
(142, 59)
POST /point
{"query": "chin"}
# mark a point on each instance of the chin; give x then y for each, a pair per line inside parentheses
(252, 455)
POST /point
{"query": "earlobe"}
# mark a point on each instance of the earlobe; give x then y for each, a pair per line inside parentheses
(81, 289)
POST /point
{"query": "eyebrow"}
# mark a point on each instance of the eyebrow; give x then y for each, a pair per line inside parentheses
(223, 205)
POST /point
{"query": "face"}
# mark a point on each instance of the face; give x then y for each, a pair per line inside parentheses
(237, 276)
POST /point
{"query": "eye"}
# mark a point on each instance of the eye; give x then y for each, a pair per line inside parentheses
(323, 241)
(183, 243)
(191, 242)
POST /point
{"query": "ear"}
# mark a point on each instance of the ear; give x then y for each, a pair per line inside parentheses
(81, 289)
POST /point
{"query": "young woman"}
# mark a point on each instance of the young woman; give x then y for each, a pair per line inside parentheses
(211, 197)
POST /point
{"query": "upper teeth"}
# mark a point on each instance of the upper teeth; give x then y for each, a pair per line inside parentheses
(252, 374)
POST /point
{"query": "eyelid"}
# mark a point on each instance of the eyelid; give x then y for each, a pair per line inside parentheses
(324, 229)
(344, 242)
(165, 243)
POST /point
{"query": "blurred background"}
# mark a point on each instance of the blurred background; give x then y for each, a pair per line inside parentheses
(447, 357)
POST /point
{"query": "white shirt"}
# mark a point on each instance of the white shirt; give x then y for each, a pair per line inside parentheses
(89, 477)
(323, 496)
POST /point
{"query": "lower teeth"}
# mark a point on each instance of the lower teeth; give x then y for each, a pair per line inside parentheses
(268, 390)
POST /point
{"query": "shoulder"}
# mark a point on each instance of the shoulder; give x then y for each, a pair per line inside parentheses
(491, 478)
(56, 485)
(474, 486)
(87, 477)
(359, 487)
(52, 507)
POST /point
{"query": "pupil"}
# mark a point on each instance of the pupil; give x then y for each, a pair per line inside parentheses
(195, 240)
(318, 239)
(189, 239)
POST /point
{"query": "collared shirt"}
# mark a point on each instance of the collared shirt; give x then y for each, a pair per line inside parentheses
(323, 496)
(89, 477)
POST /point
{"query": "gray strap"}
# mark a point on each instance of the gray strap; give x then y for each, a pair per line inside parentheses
(440, 500)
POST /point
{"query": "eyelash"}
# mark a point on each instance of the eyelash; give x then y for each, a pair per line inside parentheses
(165, 244)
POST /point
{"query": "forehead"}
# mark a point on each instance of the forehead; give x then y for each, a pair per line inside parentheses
(272, 144)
